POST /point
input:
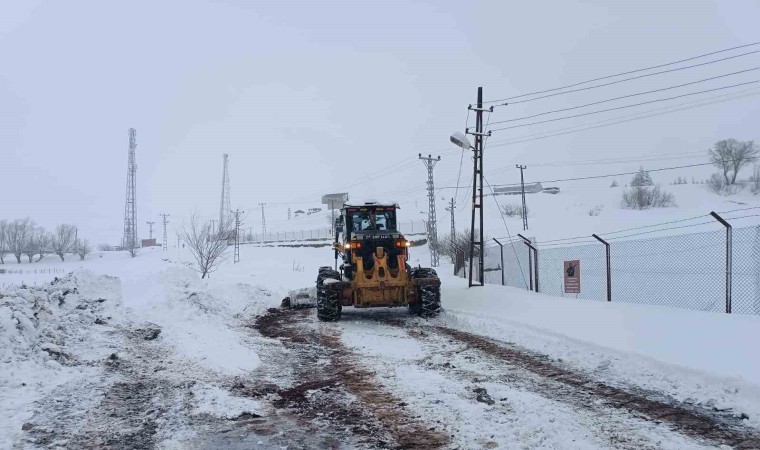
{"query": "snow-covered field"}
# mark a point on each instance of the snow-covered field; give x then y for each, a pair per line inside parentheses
(184, 347)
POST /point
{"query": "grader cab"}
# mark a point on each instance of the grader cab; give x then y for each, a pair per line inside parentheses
(374, 271)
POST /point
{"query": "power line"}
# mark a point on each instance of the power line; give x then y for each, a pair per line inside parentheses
(596, 176)
(626, 229)
(632, 95)
(636, 116)
(554, 242)
(684, 155)
(613, 175)
(663, 229)
(509, 234)
(632, 78)
(623, 73)
(625, 106)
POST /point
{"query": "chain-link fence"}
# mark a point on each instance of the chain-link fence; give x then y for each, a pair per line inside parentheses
(515, 258)
(716, 271)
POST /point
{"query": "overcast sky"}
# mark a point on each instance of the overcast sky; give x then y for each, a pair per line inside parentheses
(308, 97)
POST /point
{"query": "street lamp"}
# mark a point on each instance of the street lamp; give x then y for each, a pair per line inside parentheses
(460, 140)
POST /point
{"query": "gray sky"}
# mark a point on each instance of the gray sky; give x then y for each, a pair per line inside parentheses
(307, 97)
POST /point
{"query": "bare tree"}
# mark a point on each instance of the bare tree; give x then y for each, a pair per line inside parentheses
(642, 178)
(18, 234)
(754, 179)
(38, 244)
(730, 156)
(208, 246)
(83, 248)
(448, 245)
(643, 197)
(44, 245)
(3, 240)
(132, 247)
(63, 240)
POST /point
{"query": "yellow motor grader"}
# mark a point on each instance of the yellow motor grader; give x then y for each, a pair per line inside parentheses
(374, 271)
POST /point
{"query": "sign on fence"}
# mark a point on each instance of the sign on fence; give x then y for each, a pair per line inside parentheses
(572, 271)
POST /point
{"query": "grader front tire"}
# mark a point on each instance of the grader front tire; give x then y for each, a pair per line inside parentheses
(328, 305)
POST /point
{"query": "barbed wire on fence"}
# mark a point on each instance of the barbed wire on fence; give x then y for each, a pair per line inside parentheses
(714, 270)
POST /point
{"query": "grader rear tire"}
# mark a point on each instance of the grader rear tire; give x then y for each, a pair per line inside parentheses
(430, 301)
(428, 297)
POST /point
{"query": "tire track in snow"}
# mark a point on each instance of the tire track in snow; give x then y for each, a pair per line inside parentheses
(575, 387)
(483, 405)
(337, 394)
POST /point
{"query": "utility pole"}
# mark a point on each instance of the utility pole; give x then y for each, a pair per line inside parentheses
(213, 225)
(476, 237)
(165, 244)
(430, 163)
(263, 221)
(236, 258)
(524, 207)
(150, 225)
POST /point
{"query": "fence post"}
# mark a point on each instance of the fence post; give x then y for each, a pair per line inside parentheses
(729, 257)
(609, 265)
(501, 251)
(527, 243)
(535, 262)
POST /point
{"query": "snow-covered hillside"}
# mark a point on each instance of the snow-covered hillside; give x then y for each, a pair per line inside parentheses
(571, 212)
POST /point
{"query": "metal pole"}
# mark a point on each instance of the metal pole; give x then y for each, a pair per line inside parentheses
(524, 208)
(432, 227)
(527, 243)
(501, 250)
(609, 266)
(535, 262)
(476, 236)
(165, 244)
(729, 258)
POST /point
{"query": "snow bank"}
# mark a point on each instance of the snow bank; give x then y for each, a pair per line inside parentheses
(699, 357)
(714, 343)
(198, 318)
(50, 335)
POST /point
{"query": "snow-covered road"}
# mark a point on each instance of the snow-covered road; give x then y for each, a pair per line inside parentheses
(447, 388)
(158, 359)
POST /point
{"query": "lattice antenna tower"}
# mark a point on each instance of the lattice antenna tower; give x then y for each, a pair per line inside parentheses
(130, 206)
(263, 221)
(430, 163)
(225, 211)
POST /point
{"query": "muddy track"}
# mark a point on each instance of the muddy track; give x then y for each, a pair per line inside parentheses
(572, 386)
(333, 388)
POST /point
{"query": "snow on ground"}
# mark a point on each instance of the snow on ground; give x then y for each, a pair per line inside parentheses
(53, 334)
(50, 336)
(219, 403)
(705, 358)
